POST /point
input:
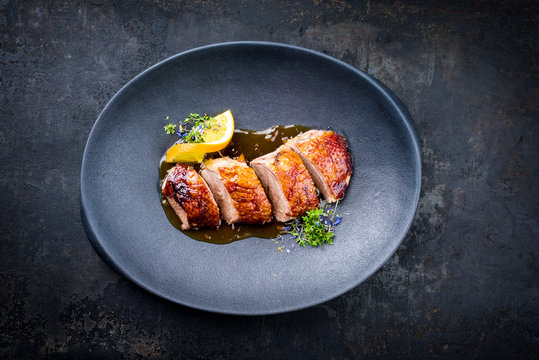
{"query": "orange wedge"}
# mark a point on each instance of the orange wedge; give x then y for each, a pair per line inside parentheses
(216, 138)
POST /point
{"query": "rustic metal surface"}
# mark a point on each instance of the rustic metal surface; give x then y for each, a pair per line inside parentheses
(464, 284)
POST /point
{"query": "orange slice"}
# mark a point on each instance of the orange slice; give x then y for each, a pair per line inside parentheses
(216, 138)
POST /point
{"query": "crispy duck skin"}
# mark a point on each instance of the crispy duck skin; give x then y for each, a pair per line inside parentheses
(326, 156)
(189, 196)
(287, 182)
(244, 200)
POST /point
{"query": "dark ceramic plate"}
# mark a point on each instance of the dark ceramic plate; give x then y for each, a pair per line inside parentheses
(264, 84)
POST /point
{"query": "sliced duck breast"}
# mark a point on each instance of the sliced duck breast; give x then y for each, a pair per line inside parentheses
(190, 197)
(328, 159)
(287, 183)
(237, 190)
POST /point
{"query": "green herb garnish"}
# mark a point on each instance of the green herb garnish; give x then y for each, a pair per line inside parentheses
(199, 124)
(170, 128)
(192, 129)
(316, 227)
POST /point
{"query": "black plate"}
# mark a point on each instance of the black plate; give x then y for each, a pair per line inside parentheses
(264, 84)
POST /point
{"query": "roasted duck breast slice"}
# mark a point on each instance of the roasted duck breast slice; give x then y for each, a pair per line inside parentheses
(190, 197)
(328, 159)
(287, 183)
(237, 190)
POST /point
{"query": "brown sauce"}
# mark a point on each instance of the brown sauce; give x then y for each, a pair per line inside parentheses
(251, 144)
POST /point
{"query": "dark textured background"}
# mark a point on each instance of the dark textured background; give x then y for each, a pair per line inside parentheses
(464, 283)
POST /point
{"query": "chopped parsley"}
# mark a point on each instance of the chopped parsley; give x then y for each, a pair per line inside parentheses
(316, 227)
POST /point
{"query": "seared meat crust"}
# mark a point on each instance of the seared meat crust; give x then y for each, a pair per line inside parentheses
(184, 187)
(287, 182)
(246, 192)
(327, 157)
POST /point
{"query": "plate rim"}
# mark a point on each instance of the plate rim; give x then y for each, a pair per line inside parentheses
(396, 103)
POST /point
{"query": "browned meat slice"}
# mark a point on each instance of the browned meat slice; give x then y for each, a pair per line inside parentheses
(287, 183)
(237, 190)
(326, 156)
(189, 196)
